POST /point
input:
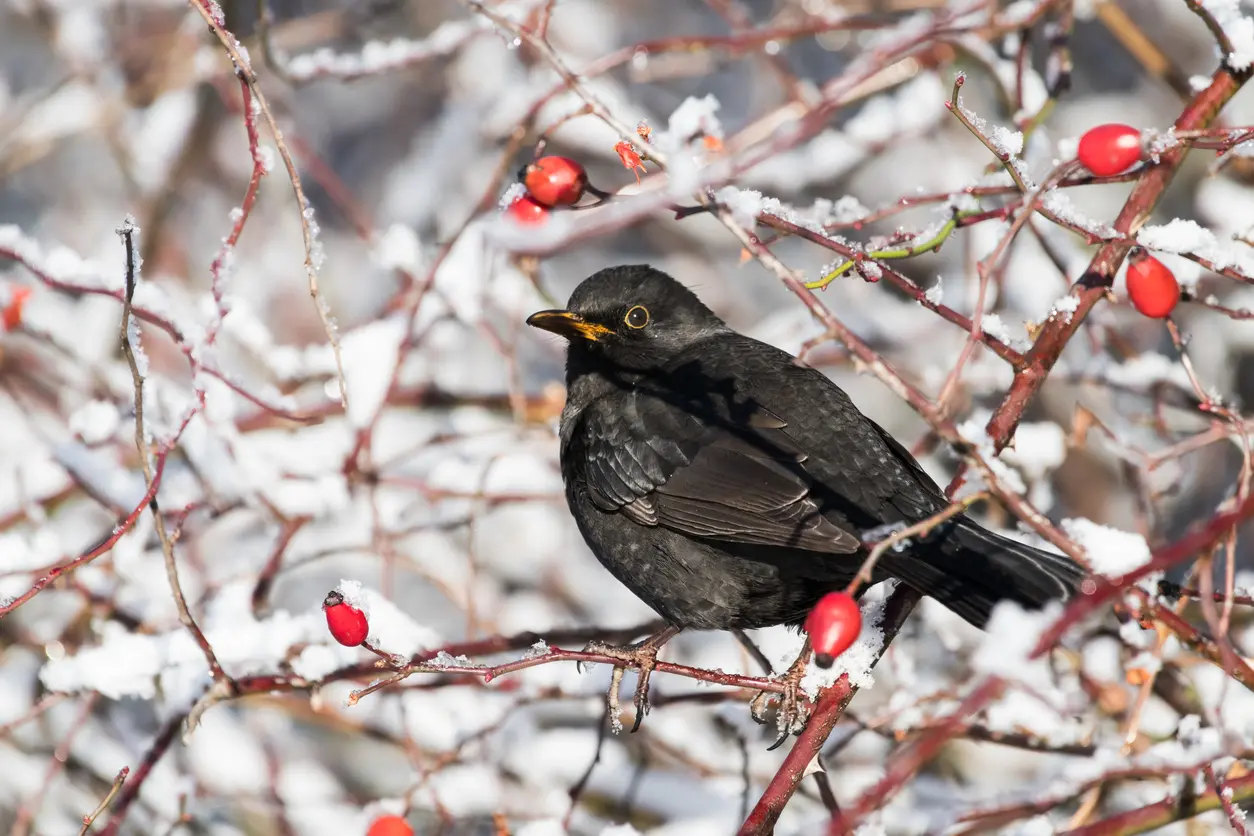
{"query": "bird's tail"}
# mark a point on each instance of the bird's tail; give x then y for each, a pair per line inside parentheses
(969, 569)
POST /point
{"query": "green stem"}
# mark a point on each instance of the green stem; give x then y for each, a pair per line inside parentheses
(929, 245)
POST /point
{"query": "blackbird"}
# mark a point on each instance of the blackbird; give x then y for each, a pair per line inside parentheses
(730, 486)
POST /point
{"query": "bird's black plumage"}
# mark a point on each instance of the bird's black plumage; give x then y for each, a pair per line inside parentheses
(727, 484)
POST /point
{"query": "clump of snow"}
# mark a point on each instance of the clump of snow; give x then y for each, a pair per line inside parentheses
(1065, 307)
(1006, 141)
(444, 659)
(1238, 28)
(1186, 236)
(1019, 711)
(1011, 635)
(871, 269)
(695, 117)
(936, 293)
(95, 421)
(1039, 447)
(515, 191)
(1111, 552)
(745, 204)
(399, 248)
(847, 210)
(537, 650)
(354, 595)
(993, 325)
(370, 354)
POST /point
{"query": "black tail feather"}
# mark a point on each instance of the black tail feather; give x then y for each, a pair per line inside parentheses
(969, 569)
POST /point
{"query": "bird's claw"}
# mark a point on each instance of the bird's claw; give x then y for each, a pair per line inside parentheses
(642, 657)
(793, 711)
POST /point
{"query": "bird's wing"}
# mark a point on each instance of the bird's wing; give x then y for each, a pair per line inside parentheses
(735, 480)
(866, 476)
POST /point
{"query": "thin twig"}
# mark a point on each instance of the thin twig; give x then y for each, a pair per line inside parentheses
(129, 233)
(91, 817)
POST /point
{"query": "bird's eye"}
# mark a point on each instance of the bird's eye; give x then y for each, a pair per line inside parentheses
(637, 317)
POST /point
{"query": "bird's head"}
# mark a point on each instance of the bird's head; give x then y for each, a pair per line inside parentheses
(631, 316)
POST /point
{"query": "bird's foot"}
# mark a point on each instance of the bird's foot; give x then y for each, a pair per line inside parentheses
(641, 656)
(793, 711)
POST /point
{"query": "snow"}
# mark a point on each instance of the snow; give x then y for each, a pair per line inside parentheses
(123, 664)
(859, 660)
(1011, 636)
(513, 192)
(745, 204)
(1065, 307)
(399, 248)
(59, 262)
(1188, 236)
(936, 293)
(95, 421)
(1038, 448)
(1006, 141)
(378, 57)
(694, 117)
(1060, 204)
(1111, 552)
(1238, 28)
(992, 325)
(370, 354)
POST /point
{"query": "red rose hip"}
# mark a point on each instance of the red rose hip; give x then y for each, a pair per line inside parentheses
(555, 181)
(1109, 149)
(833, 625)
(1152, 286)
(527, 210)
(348, 625)
(390, 826)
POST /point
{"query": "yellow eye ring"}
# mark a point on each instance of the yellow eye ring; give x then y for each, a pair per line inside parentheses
(637, 317)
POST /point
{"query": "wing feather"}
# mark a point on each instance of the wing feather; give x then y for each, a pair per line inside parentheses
(740, 482)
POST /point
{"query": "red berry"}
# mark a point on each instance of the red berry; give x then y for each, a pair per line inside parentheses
(555, 181)
(390, 826)
(347, 624)
(526, 210)
(1109, 149)
(1152, 286)
(833, 625)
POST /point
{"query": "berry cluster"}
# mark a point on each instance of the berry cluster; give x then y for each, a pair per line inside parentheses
(551, 182)
(1108, 150)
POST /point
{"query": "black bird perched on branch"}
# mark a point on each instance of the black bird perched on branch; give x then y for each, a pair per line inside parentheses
(729, 486)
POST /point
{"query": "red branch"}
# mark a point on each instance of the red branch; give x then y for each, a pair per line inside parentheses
(126, 524)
